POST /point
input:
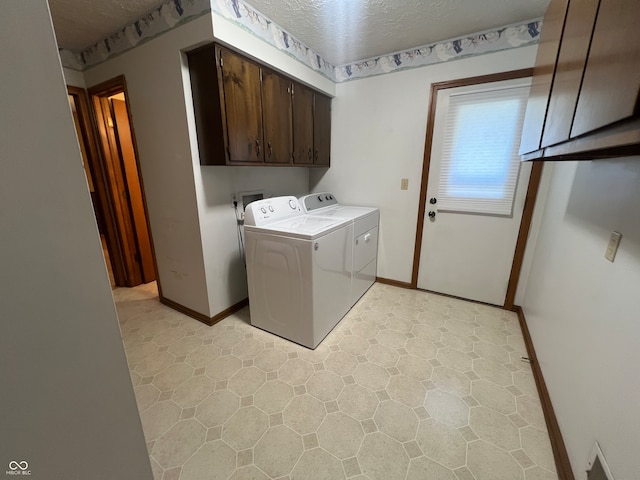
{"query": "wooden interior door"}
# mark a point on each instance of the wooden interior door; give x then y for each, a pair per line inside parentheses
(322, 130)
(302, 125)
(122, 130)
(242, 100)
(276, 114)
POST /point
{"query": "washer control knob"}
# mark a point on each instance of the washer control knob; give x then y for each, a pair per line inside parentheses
(292, 204)
(327, 197)
(263, 210)
(270, 208)
(320, 198)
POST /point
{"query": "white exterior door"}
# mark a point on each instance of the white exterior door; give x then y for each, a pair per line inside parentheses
(476, 191)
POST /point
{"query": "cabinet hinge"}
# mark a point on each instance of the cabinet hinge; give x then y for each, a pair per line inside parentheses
(292, 89)
(221, 61)
(260, 75)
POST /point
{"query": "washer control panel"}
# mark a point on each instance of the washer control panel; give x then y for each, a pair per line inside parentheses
(262, 212)
(318, 200)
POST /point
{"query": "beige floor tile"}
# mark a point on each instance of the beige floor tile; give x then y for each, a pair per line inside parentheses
(492, 371)
(159, 418)
(493, 396)
(494, 428)
(270, 359)
(424, 469)
(173, 376)
(214, 461)
(278, 451)
(203, 356)
(406, 390)
(447, 408)
(247, 381)
(488, 462)
(358, 402)
(245, 428)
(382, 458)
(340, 435)
(217, 408)
(193, 391)
(317, 464)
(341, 363)
(396, 420)
(325, 385)
(535, 444)
(248, 473)
(304, 414)
(539, 473)
(295, 371)
(421, 348)
(177, 445)
(442, 443)
(223, 368)
(371, 376)
(146, 395)
(273, 396)
(452, 381)
(524, 381)
(530, 409)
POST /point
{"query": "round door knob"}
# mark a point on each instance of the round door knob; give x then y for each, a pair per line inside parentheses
(433, 201)
(432, 214)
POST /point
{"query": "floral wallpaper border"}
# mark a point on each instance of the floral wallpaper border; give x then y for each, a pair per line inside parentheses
(177, 12)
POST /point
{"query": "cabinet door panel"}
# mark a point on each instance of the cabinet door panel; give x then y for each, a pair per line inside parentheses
(302, 125)
(542, 79)
(571, 63)
(321, 130)
(276, 115)
(612, 76)
(242, 103)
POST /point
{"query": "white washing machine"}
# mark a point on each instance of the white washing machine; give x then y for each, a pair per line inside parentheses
(298, 269)
(364, 241)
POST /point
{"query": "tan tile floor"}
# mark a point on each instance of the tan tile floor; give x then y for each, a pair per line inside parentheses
(409, 385)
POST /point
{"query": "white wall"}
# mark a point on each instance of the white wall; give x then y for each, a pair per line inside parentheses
(378, 133)
(74, 78)
(583, 311)
(192, 221)
(67, 402)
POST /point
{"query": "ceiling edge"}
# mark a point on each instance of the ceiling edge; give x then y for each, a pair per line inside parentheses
(174, 13)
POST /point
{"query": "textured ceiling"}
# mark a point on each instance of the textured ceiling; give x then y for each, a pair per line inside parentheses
(81, 23)
(341, 31)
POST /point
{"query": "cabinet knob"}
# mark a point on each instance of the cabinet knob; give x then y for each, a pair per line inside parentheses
(258, 147)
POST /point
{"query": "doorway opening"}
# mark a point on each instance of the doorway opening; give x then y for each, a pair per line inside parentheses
(126, 235)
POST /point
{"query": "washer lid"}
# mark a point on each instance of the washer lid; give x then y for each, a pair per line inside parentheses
(346, 211)
(308, 227)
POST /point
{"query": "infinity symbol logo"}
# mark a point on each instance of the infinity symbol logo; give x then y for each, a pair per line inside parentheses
(13, 465)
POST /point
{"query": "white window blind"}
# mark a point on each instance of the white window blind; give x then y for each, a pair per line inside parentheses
(480, 162)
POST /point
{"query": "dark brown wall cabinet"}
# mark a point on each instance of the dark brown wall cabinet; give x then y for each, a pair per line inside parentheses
(586, 82)
(247, 114)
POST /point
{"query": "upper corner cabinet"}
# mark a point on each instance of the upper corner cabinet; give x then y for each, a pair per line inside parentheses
(321, 130)
(584, 94)
(246, 113)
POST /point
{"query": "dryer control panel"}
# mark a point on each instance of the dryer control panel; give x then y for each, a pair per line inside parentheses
(316, 201)
(263, 212)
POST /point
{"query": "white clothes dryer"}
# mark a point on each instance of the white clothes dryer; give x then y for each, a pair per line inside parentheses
(298, 269)
(364, 242)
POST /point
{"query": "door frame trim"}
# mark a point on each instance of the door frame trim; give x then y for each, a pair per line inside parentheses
(105, 89)
(532, 189)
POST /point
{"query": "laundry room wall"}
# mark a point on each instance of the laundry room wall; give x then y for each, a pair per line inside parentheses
(378, 133)
(582, 310)
(68, 407)
(190, 212)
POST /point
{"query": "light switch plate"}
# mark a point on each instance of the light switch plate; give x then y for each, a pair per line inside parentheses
(404, 184)
(612, 247)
